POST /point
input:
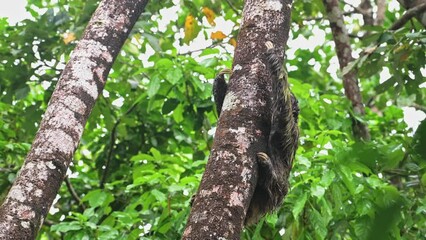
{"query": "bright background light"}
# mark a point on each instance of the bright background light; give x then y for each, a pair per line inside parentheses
(15, 11)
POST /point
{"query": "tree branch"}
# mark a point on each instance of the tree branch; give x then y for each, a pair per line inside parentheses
(323, 17)
(232, 7)
(74, 193)
(112, 145)
(356, 9)
(408, 4)
(213, 45)
(419, 107)
(412, 12)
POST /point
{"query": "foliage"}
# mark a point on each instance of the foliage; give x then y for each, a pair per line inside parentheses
(153, 125)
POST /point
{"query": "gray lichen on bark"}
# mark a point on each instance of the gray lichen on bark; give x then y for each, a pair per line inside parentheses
(219, 208)
(29, 200)
(344, 55)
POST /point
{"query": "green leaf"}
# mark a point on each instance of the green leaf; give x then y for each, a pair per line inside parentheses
(153, 41)
(317, 191)
(319, 224)
(66, 227)
(169, 105)
(395, 154)
(89, 212)
(363, 227)
(156, 154)
(423, 179)
(385, 220)
(174, 75)
(154, 86)
(132, 48)
(347, 178)
(164, 63)
(387, 37)
(161, 197)
(209, 62)
(327, 178)
(178, 113)
(98, 198)
(299, 205)
(364, 207)
(209, 51)
(22, 92)
(390, 82)
(419, 140)
(303, 160)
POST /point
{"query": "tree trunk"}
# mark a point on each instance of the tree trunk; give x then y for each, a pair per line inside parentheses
(367, 12)
(344, 54)
(224, 195)
(381, 11)
(83, 79)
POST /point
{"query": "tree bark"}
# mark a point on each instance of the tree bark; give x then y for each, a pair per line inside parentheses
(410, 13)
(367, 12)
(408, 4)
(344, 54)
(224, 195)
(381, 11)
(31, 196)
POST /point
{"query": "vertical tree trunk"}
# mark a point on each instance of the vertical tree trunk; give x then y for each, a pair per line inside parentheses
(381, 10)
(367, 12)
(81, 82)
(224, 195)
(344, 54)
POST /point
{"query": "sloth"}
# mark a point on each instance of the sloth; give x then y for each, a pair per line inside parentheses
(275, 164)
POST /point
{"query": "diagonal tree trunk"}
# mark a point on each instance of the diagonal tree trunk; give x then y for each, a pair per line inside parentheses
(224, 195)
(31, 196)
(344, 54)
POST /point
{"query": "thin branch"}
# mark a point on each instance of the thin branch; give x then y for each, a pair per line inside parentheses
(232, 7)
(412, 12)
(419, 107)
(352, 6)
(213, 45)
(6, 170)
(351, 35)
(324, 17)
(48, 223)
(112, 145)
(408, 4)
(356, 9)
(407, 16)
(109, 156)
(74, 193)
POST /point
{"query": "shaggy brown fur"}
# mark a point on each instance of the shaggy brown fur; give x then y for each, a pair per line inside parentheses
(275, 165)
